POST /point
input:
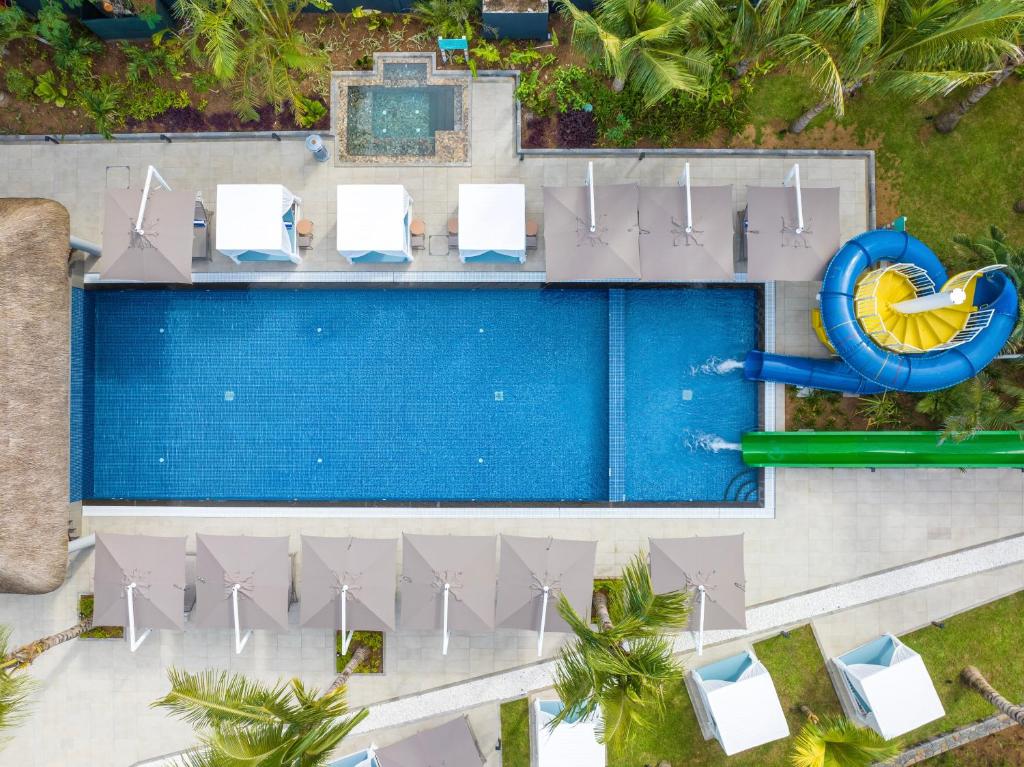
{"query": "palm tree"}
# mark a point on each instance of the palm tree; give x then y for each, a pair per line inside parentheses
(254, 47)
(26, 654)
(758, 25)
(838, 742)
(994, 249)
(14, 691)
(969, 407)
(916, 49)
(948, 120)
(651, 44)
(976, 680)
(245, 722)
(620, 668)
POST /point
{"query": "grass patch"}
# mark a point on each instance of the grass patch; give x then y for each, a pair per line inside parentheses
(798, 670)
(85, 610)
(374, 664)
(987, 637)
(944, 184)
(515, 733)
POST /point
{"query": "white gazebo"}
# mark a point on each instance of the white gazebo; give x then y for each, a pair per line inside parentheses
(373, 223)
(885, 686)
(571, 742)
(736, 703)
(492, 223)
(256, 222)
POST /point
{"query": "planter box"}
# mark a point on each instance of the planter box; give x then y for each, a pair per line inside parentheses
(515, 19)
(122, 27)
(374, 666)
(85, 604)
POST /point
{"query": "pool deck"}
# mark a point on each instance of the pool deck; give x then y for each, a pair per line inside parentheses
(829, 525)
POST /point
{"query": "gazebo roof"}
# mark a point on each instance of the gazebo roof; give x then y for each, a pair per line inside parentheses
(34, 297)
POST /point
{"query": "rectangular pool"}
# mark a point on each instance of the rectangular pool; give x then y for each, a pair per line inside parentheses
(399, 120)
(414, 395)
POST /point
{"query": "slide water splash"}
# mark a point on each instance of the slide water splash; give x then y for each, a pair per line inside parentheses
(716, 366)
(708, 443)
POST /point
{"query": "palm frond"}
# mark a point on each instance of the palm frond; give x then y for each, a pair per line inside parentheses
(838, 742)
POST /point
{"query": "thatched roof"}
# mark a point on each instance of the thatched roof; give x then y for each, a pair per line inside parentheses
(34, 370)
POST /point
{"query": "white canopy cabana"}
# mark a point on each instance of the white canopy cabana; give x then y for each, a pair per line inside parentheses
(738, 704)
(373, 223)
(256, 222)
(889, 687)
(492, 223)
(572, 742)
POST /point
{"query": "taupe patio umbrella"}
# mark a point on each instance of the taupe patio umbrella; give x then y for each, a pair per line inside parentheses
(711, 570)
(447, 583)
(686, 239)
(591, 232)
(792, 232)
(139, 581)
(348, 584)
(147, 234)
(533, 575)
(242, 580)
(450, 745)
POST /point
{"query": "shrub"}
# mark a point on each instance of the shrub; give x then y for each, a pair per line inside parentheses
(19, 83)
(576, 129)
(308, 112)
(101, 102)
(447, 18)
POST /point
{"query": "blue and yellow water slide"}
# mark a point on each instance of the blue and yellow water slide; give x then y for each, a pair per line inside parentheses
(896, 321)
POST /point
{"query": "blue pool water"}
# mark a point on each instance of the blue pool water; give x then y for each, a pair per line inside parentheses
(411, 394)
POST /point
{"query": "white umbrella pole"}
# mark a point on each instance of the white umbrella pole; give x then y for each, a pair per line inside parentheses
(689, 204)
(700, 626)
(543, 622)
(150, 174)
(346, 635)
(794, 175)
(444, 627)
(239, 639)
(133, 642)
(590, 193)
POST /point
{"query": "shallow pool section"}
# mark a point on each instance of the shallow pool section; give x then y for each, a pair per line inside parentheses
(412, 395)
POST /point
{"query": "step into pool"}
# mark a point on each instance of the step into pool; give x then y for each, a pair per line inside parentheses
(413, 395)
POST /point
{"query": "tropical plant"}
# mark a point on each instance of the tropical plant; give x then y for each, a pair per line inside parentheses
(311, 111)
(916, 49)
(14, 25)
(19, 83)
(880, 411)
(620, 668)
(14, 690)
(977, 681)
(969, 407)
(447, 18)
(254, 47)
(149, 63)
(653, 45)
(101, 101)
(240, 721)
(50, 90)
(757, 25)
(24, 656)
(948, 120)
(838, 742)
(995, 249)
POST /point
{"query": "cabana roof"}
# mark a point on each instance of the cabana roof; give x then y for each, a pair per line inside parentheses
(574, 741)
(775, 250)
(34, 297)
(492, 221)
(250, 218)
(891, 688)
(374, 218)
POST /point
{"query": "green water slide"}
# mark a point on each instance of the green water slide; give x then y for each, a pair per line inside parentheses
(892, 449)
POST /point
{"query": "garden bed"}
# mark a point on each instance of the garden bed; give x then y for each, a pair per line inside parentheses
(85, 608)
(374, 640)
(515, 733)
(798, 671)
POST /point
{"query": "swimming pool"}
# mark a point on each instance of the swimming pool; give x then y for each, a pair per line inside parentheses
(522, 395)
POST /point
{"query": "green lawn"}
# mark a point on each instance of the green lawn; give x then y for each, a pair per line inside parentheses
(798, 670)
(989, 638)
(960, 182)
(515, 733)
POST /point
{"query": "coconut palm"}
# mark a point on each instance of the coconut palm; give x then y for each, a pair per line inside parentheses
(254, 47)
(240, 721)
(758, 25)
(653, 45)
(994, 249)
(977, 681)
(969, 407)
(838, 742)
(620, 668)
(948, 120)
(916, 49)
(14, 691)
(26, 654)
